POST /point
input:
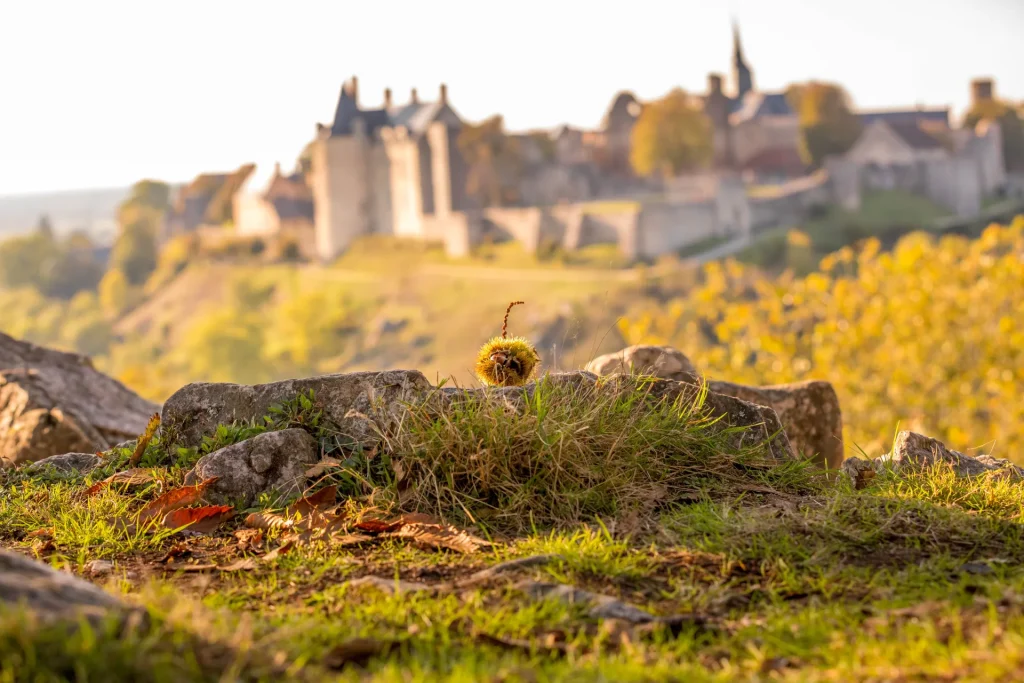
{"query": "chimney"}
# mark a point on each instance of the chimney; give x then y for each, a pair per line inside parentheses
(982, 90)
(444, 94)
(353, 89)
(415, 97)
(714, 84)
(277, 169)
(387, 98)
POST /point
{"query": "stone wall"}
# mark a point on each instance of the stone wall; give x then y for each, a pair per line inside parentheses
(405, 180)
(341, 192)
(667, 227)
(792, 203)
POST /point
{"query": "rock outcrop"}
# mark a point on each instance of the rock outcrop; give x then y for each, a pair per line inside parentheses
(809, 411)
(66, 463)
(352, 402)
(50, 594)
(273, 462)
(53, 402)
(657, 361)
(915, 451)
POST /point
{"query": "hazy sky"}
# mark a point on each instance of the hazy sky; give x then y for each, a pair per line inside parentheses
(100, 93)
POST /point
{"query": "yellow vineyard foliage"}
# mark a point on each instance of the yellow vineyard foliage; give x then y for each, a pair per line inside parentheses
(928, 337)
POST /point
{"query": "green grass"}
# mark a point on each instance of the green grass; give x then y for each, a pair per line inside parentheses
(790, 576)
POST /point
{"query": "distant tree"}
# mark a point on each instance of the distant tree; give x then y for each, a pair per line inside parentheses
(672, 136)
(75, 269)
(45, 227)
(828, 125)
(113, 292)
(1011, 127)
(25, 260)
(139, 218)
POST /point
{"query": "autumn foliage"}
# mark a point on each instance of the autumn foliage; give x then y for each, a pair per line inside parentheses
(928, 337)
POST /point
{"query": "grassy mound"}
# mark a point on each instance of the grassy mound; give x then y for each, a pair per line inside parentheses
(748, 570)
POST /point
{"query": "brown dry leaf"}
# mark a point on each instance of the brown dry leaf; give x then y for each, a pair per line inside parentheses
(434, 536)
(174, 499)
(95, 488)
(277, 552)
(203, 520)
(319, 468)
(376, 526)
(40, 533)
(41, 546)
(321, 501)
(268, 521)
(147, 436)
(176, 550)
(358, 651)
(245, 564)
(249, 539)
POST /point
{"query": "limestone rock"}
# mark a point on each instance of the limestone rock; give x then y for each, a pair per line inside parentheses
(66, 463)
(50, 593)
(809, 411)
(270, 462)
(54, 402)
(913, 450)
(351, 401)
(657, 361)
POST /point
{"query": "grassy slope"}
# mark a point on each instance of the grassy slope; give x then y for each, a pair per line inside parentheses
(791, 577)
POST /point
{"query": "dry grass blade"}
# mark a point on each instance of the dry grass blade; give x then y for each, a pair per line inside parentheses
(435, 536)
(203, 520)
(174, 499)
(147, 436)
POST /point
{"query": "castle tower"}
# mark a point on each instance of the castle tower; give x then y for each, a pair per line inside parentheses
(982, 90)
(742, 75)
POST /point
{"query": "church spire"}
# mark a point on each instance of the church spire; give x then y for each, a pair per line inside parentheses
(742, 74)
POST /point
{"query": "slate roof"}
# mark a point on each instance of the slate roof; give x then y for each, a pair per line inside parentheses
(291, 197)
(915, 136)
(203, 200)
(905, 116)
(416, 116)
(757, 104)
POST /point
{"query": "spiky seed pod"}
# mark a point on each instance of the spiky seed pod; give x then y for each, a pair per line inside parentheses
(507, 362)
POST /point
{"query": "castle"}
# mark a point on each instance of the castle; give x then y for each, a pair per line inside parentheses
(398, 170)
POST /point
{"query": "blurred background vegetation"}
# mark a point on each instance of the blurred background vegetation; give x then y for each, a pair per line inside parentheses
(915, 328)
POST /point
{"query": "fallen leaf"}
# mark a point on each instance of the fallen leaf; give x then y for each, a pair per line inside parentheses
(358, 651)
(249, 539)
(190, 567)
(203, 520)
(245, 564)
(174, 499)
(279, 551)
(319, 468)
(40, 533)
(147, 436)
(320, 501)
(42, 546)
(434, 536)
(268, 521)
(96, 488)
(376, 526)
(176, 550)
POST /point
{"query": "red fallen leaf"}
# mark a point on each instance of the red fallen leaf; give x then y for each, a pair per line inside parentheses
(40, 533)
(96, 488)
(174, 499)
(380, 526)
(202, 520)
(321, 500)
